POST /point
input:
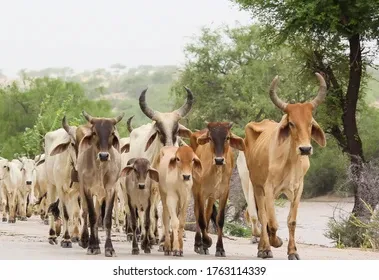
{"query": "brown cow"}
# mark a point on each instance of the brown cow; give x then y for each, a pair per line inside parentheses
(277, 159)
(99, 167)
(212, 146)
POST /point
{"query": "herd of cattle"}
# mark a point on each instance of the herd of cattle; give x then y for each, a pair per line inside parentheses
(88, 175)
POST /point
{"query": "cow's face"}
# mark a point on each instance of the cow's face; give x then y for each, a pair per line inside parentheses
(167, 127)
(186, 161)
(28, 170)
(298, 122)
(220, 137)
(102, 135)
(140, 169)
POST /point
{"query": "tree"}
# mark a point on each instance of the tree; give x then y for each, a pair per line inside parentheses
(333, 34)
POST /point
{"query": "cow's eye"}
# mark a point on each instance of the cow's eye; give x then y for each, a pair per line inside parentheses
(177, 159)
(227, 138)
(291, 124)
(5, 166)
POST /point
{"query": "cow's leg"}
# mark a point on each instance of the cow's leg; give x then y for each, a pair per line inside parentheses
(4, 202)
(51, 203)
(253, 216)
(167, 248)
(109, 202)
(172, 205)
(84, 236)
(264, 248)
(182, 222)
(12, 207)
(202, 241)
(74, 214)
(272, 224)
(66, 241)
(209, 211)
(133, 220)
(145, 244)
(220, 252)
(116, 213)
(93, 245)
(291, 222)
(45, 212)
(23, 206)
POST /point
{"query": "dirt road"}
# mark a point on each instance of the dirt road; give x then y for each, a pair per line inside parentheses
(28, 240)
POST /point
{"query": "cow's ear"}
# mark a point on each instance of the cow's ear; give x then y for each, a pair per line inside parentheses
(237, 142)
(172, 163)
(153, 174)
(318, 134)
(125, 148)
(60, 148)
(126, 171)
(151, 140)
(116, 143)
(203, 139)
(184, 131)
(85, 143)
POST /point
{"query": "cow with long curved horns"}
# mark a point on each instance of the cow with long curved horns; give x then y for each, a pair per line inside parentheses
(147, 140)
(277, 156)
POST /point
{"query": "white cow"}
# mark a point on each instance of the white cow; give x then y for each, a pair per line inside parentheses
(147, 140)
(11, 178)
(40, 188)
(248, 191)
(60, 160)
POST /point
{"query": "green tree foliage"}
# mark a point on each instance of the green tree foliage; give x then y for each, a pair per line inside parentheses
(31, 108)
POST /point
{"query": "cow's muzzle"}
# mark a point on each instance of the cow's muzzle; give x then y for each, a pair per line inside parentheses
(219, 160)
(28, 183)
(141, 186)
(305, 150)
(186, 177)
(103, 156)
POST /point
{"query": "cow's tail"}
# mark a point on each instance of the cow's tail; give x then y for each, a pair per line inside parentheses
(54, 209)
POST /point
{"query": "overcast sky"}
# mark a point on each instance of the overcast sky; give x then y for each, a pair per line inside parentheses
(89, 34)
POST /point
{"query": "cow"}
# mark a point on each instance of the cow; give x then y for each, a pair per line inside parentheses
(40, 188)
(28, 170)
(176, 167)
(98, 167)
(139, 177)
(277, 156)
(11, 178)
(213, 147)
(147, 140)
(60, 162)
(251, 215)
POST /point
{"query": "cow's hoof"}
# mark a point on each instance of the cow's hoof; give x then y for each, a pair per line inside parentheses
(220, 253)
(74, 239)
(53, 240)
(11, 221)
(265, 254)
(294, 256)
(254, 240)
(129, 237)
(66, 244)
(4, 219)
(161, 248)
(147, 250)
(83, 243)
(46, 222)
(110, 252)
(204, 251)
(93, 251)
(23, 219)
(135, 251)
(167, 252)
(177, 253)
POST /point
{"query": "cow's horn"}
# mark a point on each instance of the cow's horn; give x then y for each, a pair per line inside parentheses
(65, 124)
(186, 107)
(129, 124)
(150, 113)
(119, 118)
(88, 117)
(321, 92)
(274, 97)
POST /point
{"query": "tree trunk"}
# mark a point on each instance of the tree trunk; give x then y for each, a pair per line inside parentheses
(354, 143)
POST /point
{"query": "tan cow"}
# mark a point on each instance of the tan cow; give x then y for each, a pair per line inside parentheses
(212, 146)
(99, 167)
(277, 156)
(139, 178)
(176, 167)
(40, 188)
